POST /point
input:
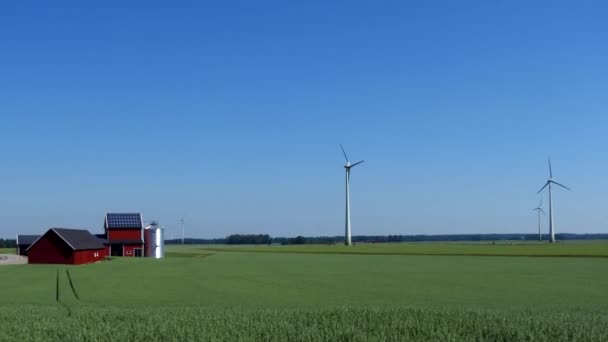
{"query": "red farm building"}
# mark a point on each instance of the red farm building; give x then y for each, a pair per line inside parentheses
(124, 234)
(66, 246)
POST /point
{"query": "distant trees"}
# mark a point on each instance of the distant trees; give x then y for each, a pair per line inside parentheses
(192, 241)
(302, 240)
(6, 243)
(248, 239)
(263, 239)
(299, 240)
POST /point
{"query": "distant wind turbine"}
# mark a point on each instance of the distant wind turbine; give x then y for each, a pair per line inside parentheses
(348, 166)
(539, 210)
(182, 231)
(550, 182)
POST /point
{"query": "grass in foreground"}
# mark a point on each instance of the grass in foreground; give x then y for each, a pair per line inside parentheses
(86, 323)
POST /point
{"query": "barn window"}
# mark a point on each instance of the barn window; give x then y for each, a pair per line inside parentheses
(128, 252)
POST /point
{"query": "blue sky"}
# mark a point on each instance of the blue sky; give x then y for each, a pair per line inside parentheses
(229, 114)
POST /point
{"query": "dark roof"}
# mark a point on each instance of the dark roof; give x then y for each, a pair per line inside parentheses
(77, 239)
(103, 238)
(123, 220)
(27, 239)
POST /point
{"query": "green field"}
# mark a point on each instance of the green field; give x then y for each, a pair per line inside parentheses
(7, 251)
(310, 293)
(512, 248)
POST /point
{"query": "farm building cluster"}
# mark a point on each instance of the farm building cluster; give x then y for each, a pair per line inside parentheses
(124, 235)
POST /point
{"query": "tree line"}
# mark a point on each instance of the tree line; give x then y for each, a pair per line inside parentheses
(265, 239)
(8, 243)
(248, 239)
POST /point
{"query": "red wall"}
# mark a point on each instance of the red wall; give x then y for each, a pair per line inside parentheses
(124, 234)
(129, 250)
(50, 249)
(88, 256)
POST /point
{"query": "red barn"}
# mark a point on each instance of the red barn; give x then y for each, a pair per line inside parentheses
(124, 234)
(66, 246)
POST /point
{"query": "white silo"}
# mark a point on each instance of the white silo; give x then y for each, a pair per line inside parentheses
(154, 241)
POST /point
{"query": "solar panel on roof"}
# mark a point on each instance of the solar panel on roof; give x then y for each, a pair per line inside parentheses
(120, 220)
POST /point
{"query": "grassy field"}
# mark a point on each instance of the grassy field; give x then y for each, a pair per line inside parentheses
(198, 293)
(7, 251)
(151, 323)
(513, 248)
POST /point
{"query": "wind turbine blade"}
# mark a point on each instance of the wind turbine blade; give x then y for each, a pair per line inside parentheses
(357, 163)
(344, 152)
(550, 170)
(542, 211)
(563, 186)
(543, 188)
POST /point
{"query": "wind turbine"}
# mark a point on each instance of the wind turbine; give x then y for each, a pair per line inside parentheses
(348, 166)
(182, 231)
(539, 210)
(550, 182)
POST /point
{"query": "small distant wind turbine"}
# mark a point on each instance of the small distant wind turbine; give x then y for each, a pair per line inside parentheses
(348, 166)
(539, 210)
(550, 182)
(182, 231)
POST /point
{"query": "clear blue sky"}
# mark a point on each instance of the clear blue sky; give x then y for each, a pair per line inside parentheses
(230, 114)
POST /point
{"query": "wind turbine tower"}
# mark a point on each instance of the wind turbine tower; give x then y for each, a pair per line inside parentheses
(539, 210)
(348, 166)
(182, 222)
(549, 184)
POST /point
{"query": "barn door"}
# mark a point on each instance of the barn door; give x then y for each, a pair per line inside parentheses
(116, 250)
